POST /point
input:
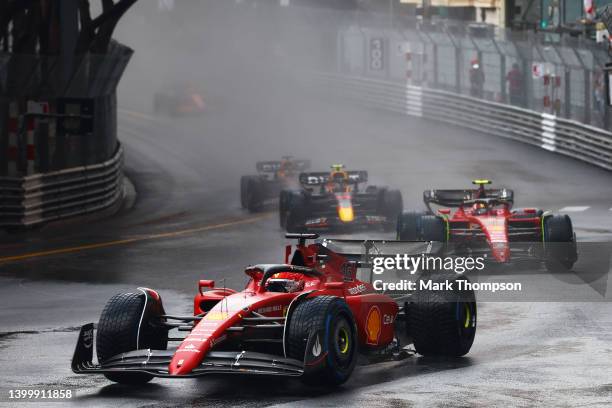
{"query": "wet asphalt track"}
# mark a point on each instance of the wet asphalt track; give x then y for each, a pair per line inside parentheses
(186, 224)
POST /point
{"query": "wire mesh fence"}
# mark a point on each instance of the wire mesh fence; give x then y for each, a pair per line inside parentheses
(544, 72)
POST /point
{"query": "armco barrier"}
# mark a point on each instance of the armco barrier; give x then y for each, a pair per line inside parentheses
(47, 197)
(563, 136)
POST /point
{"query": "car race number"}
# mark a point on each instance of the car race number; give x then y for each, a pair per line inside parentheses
(377, 54)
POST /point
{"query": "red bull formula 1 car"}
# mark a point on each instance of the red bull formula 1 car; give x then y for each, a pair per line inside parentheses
(336, 201)
(484, 222)
(272, 178)
(310, 317)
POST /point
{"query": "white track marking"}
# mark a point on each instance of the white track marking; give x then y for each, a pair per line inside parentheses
(577, 208)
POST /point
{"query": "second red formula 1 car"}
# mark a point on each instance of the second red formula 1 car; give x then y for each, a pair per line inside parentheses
(484, 222)
(310, 317)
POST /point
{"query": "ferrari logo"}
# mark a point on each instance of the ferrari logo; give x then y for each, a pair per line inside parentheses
(88, 338)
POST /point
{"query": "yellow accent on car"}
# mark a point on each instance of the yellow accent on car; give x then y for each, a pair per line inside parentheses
(468, 316)
(343, 340)
(346, 214)
(479, 182)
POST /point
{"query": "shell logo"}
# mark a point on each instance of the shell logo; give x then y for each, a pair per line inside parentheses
(373, 325)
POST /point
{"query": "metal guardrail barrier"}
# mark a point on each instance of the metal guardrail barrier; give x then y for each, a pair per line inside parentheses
(564, 136)
(61, 194)
(539, 71)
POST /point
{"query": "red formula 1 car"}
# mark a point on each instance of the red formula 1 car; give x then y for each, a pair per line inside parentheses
(484, 222)
(310, 317)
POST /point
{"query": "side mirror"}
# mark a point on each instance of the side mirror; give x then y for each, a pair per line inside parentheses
(204, 283)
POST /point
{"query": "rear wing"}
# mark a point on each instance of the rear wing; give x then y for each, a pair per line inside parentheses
(318, 178)
(276, 165)
(456, 198)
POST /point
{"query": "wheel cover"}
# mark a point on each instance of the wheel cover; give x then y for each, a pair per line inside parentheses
(468, 316)
(343, 340)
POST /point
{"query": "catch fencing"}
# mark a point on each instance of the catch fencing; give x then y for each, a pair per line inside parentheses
(543, 72)
(537, 88)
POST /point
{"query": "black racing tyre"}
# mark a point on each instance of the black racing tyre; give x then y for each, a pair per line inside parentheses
(244, 181)
(392, 207)
(295, 212)
(283, 203)
(443, 323)
(254, 194)
(295, 220)
(409, 226)
(120, 329)
(330, 318)
(433, 228)
(560, 243)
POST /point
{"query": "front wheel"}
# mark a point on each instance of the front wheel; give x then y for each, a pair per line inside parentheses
(128, 323)
(409, 226)
(433, 228)
(321, 331)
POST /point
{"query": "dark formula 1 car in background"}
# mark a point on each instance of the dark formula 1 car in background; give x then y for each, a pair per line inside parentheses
(179, 98)
(483, 221)
(310, 317)
(336, 201)
(272, 178)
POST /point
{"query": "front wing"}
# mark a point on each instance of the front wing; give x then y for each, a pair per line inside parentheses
(155, 362)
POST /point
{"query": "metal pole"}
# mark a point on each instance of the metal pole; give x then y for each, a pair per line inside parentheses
(69, 30)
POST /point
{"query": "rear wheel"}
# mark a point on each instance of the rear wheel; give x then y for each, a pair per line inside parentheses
(282, 208)
(433, 228)
(295, 213)
(295, 221)
(560, 243)
(254, 194)
(392, 206)
(120, 330)
(321, 331)
(443, 323)
(244, 181)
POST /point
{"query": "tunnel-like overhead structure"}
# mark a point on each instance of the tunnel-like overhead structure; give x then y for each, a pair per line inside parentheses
(59, 72)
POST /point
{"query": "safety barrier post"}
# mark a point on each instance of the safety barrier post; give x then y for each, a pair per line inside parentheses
(31, 125)
(13, 128)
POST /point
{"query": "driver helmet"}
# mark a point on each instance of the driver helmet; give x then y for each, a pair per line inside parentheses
(285, 285)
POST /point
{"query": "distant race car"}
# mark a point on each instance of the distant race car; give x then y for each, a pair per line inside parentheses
(310, 317)
(335, 201)
(272, 178)
(179, 99)
(484, 222)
